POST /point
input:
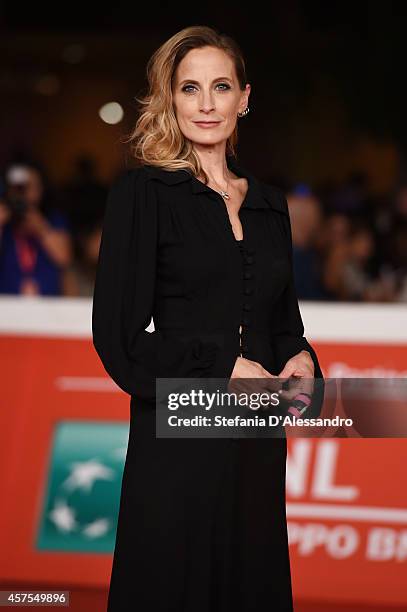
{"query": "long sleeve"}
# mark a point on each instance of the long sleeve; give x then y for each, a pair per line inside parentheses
(288, 329)
(287, 326)
(123, 299)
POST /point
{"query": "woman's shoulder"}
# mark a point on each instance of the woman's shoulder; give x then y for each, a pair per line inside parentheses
(133, 180)
(146, 172)
(128, 190)
(129, 175)
(275, 196)
(127, 183)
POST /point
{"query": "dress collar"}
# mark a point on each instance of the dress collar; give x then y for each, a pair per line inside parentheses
(259, 195)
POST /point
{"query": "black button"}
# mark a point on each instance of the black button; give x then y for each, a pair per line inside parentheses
(248, 290)
(249, 259)
(250, 251)
(247, 306)
(248, 275)
(245, 320)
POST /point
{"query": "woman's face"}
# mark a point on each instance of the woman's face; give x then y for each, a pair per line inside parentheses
(206, 89)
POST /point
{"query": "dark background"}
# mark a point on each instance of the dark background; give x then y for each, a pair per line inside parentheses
(327, 82)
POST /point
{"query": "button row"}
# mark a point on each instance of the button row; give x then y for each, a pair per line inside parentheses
(248, 275)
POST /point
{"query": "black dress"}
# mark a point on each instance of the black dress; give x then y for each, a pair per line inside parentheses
(202, 523)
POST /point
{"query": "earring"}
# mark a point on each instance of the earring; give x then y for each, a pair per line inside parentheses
(244, 113)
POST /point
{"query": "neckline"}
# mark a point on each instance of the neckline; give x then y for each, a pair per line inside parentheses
(239, 174)
(258, 195)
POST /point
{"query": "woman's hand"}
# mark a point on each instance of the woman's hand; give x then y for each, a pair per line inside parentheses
(300, 371)
(245, 368)
(243, 373)
(300, 365)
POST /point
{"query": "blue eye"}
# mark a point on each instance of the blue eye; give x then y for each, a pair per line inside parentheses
(186, 88)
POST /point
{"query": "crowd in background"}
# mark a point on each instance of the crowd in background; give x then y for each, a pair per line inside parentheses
(348, 245)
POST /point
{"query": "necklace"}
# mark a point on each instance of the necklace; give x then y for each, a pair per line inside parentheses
(225, 195)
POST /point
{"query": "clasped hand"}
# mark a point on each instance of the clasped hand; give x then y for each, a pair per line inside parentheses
(298, 372)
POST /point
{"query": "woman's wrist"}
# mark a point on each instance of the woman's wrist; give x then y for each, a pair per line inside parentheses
(299, 404)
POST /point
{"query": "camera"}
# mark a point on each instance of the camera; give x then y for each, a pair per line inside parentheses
(16, 180)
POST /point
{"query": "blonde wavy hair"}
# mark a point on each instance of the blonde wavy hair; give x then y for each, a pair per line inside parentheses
(156, 138)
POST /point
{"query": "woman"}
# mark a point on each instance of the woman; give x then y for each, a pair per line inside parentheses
(197, 242)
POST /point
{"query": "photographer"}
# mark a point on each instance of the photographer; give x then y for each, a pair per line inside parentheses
(35, 244)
